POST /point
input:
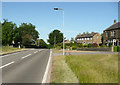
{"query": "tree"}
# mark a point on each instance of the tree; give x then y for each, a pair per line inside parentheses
(72, 40)
(41, 43)
(16, 36)
(55, 37)
(27, 33)
(7, 32)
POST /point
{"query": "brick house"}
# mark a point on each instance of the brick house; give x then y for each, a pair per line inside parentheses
(111, 35)
(87, 38)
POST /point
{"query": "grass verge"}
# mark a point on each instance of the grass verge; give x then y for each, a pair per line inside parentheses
(8, 49)
(61, 73)
(94, 68)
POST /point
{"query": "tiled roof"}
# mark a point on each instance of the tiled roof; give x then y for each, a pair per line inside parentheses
(114, 26)
(87, 35)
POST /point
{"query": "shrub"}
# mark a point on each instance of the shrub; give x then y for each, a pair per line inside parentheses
(21, 46)
(74, 47)
(85, 45)
(110, 44)
(115, 48)
(90, 45)
(80, 45)
(95, 45)
(67, 44)
(118, 48)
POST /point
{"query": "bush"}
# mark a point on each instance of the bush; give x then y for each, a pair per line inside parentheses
(74, 47)
(67, 44)
(50, 46)
(95, 45)
(110, 44)
(80, 45)
(21, 46)
(85, 45)
(118, 49)
(115, 48)
(90, 45)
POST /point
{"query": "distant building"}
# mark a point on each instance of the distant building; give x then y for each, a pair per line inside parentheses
(67, 41)
(87, 38)
(112, 34)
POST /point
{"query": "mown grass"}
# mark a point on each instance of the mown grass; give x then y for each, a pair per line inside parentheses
(94, 68)
(8, 49)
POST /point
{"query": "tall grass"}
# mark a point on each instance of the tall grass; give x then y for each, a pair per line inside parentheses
(94, 68)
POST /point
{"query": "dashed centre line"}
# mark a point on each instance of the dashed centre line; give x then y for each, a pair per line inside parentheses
(26, 56)
(35, 51)
(7, 64)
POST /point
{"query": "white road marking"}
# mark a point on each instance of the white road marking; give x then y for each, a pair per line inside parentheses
(26, 56)
(7, 64)
(47, 69)
(9, 54)
(35, 51)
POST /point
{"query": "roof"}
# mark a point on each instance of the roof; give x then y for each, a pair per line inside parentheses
(114, 26)
(87, 35)
(67, 41)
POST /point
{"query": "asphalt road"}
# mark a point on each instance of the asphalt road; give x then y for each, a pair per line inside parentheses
(25, 67)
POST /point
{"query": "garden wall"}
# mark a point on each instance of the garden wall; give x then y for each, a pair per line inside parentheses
(96, 49)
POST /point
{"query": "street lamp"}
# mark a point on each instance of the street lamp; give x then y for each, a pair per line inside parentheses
(63, 27)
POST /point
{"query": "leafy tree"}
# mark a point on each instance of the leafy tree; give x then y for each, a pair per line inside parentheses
(72, 40)
(41, 43)
(27, 39)
(27, 33)
(55, 37)
(7, 32)
(16, 36)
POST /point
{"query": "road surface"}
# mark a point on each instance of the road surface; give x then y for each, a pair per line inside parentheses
(25, 67)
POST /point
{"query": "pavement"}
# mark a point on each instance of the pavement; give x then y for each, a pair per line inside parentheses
(25, 67)
(83, 52)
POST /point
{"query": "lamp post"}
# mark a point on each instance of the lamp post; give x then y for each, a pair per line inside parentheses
(63, 28)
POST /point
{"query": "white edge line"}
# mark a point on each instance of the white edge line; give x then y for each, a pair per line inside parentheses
(47, 68)
(7, 64)
(26, 56)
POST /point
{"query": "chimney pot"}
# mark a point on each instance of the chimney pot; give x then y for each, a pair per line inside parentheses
(114, 21)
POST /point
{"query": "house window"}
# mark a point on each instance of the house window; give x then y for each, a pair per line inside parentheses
(112, 33)
(106, 34)
(97, 36)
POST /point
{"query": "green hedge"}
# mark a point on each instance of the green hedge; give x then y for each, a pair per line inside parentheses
(115, 48)
(74, 47)
(118, 49)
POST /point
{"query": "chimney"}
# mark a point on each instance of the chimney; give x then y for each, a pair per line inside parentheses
(114, 21)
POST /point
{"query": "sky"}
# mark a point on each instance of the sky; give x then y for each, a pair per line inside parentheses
(79, 17)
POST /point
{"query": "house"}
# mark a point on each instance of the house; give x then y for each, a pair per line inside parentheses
(67, 41)
(111, 35)
(87, 38)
